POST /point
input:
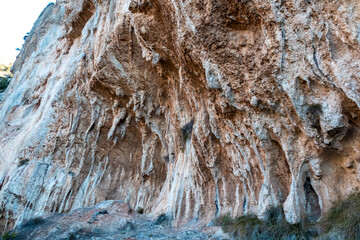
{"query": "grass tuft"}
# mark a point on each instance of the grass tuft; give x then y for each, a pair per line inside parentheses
(22, 162)
(33, 222)
(9, 235)
(274, 226)
(343, 219)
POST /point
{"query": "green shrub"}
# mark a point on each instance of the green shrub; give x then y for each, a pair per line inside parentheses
(72, 236)
(162, 220)
(140, 210)
(343, 220)
(274, 226)
(9, 235)
(22, 162)
(4, 83)
(344, 217)
(33, 222)
(5, 76)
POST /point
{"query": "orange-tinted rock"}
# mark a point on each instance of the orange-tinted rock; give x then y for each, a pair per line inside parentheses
(190, 108)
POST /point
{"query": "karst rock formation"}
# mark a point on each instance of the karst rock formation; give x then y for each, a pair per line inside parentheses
(193, 109)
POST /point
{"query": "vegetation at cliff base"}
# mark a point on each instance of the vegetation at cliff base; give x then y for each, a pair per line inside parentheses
(8, 235)
(5, 76)
(342, 221)
(273, 226)
(344, 218)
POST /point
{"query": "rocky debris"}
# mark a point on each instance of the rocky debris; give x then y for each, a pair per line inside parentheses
(107, 220)
(104, 92)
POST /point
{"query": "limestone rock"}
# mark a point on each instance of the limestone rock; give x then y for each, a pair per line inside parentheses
(108, 220)
(102, 91)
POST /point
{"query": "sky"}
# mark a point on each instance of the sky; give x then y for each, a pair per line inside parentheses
(17, 17)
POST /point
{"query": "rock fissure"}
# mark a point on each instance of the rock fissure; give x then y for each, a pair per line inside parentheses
(190, 109)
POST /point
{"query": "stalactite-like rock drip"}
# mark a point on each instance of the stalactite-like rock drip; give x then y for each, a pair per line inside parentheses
(190, 108)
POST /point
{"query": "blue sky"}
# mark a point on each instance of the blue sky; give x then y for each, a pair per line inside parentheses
(17, 17)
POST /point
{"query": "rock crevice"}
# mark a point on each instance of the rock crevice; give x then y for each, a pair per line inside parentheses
(194, 109)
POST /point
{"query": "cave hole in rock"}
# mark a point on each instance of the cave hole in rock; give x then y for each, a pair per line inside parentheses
(312, 206)
(313, 113)
(186, 130)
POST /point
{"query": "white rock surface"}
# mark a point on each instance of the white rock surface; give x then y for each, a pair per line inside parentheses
(190, 108)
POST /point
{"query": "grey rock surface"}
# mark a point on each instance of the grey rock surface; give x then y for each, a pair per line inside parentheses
(102, 91)
(109, 220)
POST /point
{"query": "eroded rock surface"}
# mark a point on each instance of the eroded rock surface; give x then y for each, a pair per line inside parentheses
(190, 108)
(108, 220)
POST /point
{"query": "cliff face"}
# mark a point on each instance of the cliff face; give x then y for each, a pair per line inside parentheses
(189, 108)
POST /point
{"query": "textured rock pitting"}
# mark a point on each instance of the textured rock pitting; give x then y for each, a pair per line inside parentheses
(107, 220)
(104, 91)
